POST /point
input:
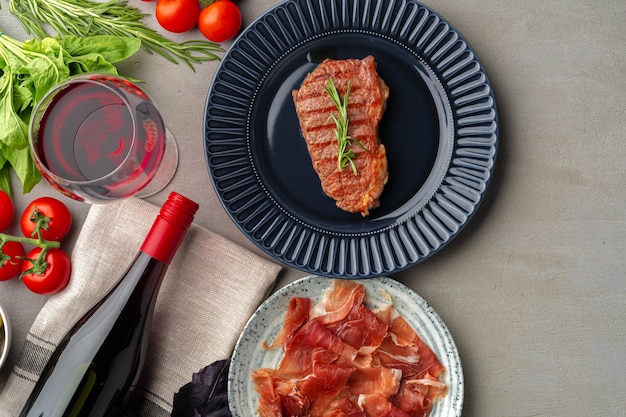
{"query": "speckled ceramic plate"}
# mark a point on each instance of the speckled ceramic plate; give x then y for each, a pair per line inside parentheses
(5, 336)
(268, 319)
(440, 130)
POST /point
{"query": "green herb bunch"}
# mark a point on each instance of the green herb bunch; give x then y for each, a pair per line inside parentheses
(27, 71)
(112, 17)
(345, 154)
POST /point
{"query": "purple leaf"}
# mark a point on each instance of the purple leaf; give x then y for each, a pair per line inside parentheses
(207, 393)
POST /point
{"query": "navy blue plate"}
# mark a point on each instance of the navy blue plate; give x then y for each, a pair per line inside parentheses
(440, 129)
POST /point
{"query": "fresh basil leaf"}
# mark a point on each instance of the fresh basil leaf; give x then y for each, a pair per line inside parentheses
(14, 132)
(112, 48)
(5, 175)
(48, 68)
(50, 47)
(24, 166)
(90, 63)
(23, 93)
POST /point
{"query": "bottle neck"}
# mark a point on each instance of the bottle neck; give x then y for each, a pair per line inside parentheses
(163, 240)
(169, 228)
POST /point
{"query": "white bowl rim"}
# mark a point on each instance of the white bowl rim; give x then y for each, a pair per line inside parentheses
(4, 353)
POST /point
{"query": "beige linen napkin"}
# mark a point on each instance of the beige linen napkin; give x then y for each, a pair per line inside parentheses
(211, 288)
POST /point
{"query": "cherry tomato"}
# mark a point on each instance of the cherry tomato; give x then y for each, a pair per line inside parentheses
(54, 216)
(220, 21)
(11, 260)
(7, 209)
(177, 15)
(55, 276)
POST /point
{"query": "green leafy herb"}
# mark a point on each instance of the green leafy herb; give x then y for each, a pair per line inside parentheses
(112, 17)
(27, 71)
(345, 153)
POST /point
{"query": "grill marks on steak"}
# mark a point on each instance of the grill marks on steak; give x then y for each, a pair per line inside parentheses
(368, 95)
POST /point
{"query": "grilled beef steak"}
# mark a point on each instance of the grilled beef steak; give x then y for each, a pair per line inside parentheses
(360, 192)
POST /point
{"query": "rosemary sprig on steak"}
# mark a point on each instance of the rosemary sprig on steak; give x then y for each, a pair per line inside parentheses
(345, 153)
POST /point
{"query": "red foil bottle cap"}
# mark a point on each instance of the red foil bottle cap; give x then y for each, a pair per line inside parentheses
(179, 209)
(170, 227)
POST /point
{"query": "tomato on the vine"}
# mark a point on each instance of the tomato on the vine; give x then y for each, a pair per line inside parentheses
(55, 273)
(7, 209)
(177, 15)
(11, 260)
(53, 215)
(220, 21)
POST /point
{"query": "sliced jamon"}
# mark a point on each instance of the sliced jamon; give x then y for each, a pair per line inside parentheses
(341, 359)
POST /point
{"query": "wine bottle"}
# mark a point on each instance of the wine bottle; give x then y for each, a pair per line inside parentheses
(97, 363)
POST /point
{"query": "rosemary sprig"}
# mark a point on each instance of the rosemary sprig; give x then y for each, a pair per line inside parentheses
(112, 17)
(345, 154)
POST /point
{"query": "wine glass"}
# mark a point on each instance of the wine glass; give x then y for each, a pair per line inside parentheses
(99, 138)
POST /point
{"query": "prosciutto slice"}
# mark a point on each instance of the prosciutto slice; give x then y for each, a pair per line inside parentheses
(341, 359)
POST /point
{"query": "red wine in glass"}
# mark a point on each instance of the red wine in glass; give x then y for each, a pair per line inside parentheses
(99, 138)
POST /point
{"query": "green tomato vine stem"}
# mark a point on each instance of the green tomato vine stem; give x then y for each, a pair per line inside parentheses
(42, 243)
(39, 265)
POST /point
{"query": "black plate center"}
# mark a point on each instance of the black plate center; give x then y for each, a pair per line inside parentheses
(415, 129)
